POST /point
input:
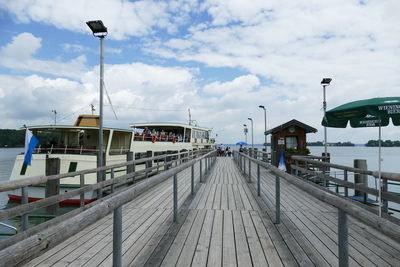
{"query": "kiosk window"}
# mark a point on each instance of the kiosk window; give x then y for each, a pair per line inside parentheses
(291, 142)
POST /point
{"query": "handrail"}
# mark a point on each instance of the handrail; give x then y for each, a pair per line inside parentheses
(384, 175)
(23, 209)
(41, 179)
(49, 237)
(332, 165)
(381, 224)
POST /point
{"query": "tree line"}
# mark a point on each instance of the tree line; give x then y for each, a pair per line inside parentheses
(16, 138)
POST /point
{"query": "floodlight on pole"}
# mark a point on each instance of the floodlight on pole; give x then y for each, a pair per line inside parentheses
(245, 132)
(100, 31)
(265, 126)
(252, 135)
(325, 82)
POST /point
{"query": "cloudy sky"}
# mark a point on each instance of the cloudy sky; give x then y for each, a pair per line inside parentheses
(220, 58)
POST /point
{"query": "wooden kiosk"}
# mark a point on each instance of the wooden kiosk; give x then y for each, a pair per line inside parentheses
(290, 138)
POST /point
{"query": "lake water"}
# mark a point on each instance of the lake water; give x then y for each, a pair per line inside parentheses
(339, 155)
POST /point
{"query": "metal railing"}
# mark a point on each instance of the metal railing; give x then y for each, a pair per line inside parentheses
(344, 206)
(35, 241)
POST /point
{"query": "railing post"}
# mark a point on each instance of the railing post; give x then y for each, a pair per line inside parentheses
(277, 200)
(192, 180)
(201, 171)
(249, 170)
(24, 200)
(82, 195)
(117, 237)
(112, 177)
(206, 166)
(258, 180)
(343, 241)
(384, 201)
(244, 165)
(346, 189)
(175, 198)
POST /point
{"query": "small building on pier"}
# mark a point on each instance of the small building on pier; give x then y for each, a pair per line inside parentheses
(289, 138)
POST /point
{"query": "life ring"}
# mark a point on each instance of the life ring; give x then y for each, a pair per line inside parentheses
(153, 138)
(174, 139)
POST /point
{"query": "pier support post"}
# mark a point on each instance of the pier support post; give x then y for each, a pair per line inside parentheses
(361, 179)
(343, 241)
(258, 180)
(277, 200)
(175, 198)
(117, 237)
(52, 186)
(24, 200)
(82, 195)
(129, 157)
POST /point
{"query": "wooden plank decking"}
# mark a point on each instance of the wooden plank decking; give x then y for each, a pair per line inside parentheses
(224, 224)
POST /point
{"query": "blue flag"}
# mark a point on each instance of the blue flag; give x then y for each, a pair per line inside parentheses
(31, 142)
(282, 165)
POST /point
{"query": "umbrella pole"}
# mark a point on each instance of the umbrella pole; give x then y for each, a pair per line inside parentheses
(379, 170)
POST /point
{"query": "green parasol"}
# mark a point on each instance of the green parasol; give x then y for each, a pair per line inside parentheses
(374, 112)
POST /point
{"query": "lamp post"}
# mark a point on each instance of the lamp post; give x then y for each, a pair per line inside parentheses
(100, 31)
(265, 126)
(252, 135)
(245, 132)
(325, 82)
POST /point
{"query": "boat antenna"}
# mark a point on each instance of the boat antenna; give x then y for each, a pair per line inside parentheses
(109, 100)
(55, 116)
(92, 107)
(190, 117)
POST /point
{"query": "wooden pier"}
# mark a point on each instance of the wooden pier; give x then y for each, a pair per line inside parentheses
(224, 223)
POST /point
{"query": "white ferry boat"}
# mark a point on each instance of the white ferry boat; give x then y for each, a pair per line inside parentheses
(77, 147)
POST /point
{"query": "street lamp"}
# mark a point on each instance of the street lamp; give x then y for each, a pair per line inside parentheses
(252, 136)
(265, 125)
(325, 82)
(100, 31)
(245, 132)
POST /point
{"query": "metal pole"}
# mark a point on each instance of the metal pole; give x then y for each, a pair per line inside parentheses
(343, 241)
(117, 237)
(324, 107)
(277, 200)
(201, 171)
(258, 180)
(249, 170)
(252, 137)
(100, 141)
(379, 169)
(265, 128)
(175, 198)
(192, 180)
(24, 200)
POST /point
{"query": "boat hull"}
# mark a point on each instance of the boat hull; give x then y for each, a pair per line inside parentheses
(36, 193)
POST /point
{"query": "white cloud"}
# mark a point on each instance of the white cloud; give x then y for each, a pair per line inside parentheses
(122, 18)
(19, 55)
(242, 84)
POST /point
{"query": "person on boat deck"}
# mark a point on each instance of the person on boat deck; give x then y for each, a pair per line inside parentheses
(241, 148)
(146, 131)
(180, 138)
(162, 132)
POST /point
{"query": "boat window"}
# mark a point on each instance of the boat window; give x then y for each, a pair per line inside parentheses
(69, 141)
(120, 143)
